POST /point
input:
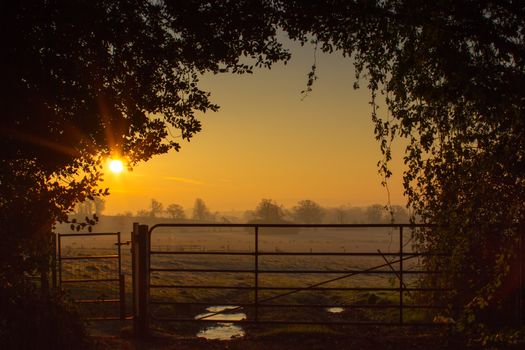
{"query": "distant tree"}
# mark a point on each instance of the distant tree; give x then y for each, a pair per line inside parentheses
(155, 208)
(90, 207)
(100, 205)
(249, 215)
(143, 213)
(307, 212)
(176, 211)
(340, 215)
(375, 214)
(85, 208)
(201, 211)
(268, 211)
(399, 214)
(355, 214)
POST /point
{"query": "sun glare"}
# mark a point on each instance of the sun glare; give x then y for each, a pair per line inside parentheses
(116, 166)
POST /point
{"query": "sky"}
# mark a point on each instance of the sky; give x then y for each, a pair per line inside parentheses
(266, 141)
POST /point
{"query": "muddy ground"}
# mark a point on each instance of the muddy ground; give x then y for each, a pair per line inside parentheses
(289, 338)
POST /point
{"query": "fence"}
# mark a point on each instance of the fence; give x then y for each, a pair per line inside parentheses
(84, 268)
(145, 271)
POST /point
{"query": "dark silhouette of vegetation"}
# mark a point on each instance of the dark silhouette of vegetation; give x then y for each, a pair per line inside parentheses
(308, 212)
(268, 212)
(201, 212)
(156, 208)
(86, 80)
(176, 211)
(32, 320)
(452, 75)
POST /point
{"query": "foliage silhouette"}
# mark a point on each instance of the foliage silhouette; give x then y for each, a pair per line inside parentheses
(269, 212)
(176, 211)
(452, 74)
(308, 212)
(84, 80)
(201, 212)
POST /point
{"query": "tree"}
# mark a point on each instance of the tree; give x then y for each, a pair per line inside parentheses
(201, 211)
(269, 212)
(374, 214)
(143, 213)
(90, 207)
(85, 208)
(308, 212)
(87, 79)
(84, 80)
(451, 72)
(399, 214)
(340, 215)
(155, 208)
(176, 211)
(100, 205)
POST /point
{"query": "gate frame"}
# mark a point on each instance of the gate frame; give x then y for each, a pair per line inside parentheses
(141, 239)
(140, 264)
(121, 277)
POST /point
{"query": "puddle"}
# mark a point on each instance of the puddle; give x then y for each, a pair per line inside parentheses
(335, 310)
(221, 330)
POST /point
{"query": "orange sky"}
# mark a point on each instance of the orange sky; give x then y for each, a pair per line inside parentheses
(267, 143)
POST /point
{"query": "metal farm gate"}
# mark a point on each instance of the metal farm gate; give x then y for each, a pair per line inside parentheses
(90, 270)
(168, 289)
(178, 277)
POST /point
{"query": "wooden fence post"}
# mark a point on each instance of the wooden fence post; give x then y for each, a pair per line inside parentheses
(140, 266)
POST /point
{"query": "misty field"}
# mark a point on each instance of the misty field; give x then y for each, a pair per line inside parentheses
(183, 294)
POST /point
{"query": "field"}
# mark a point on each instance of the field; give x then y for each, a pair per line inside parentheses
(184, 294)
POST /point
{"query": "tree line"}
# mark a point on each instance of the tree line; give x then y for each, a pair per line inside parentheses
(305, 211)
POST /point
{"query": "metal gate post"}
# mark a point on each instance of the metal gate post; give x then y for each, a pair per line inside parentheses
(401, 284)
(140, 265)
(54, 265)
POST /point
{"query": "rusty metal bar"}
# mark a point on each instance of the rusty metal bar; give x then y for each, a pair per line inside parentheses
(388, 272)
(96, 301)
(369, 254)
(89, 234)
(54, 265)
(264, 305)
(256, 267)
(134, 272)
(92, 280)
(349, 323)
(122, 295)
(341, 226)
(401, 284)
(297, 289)
(59, 260)
(90, 257)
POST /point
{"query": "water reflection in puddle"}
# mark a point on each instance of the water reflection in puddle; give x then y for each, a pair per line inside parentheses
(335, 310)
(221, 330)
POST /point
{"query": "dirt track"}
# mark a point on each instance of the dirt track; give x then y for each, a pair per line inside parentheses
(351, 338)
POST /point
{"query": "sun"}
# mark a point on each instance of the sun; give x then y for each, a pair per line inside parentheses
(116, 166)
